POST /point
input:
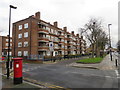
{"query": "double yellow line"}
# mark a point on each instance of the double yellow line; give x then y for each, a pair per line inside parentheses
(45, 84)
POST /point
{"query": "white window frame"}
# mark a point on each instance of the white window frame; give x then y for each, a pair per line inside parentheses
(47, 36)
(7, 40)
(25, 34)
(51, 30)
(6, 44)
(56, 32)
(47, 28)
(25, 44)
(20, 27)
(62, 34)
(10, 44)
(10, 40)
(19, 53)
(25, 25)
(25, 53)
(19, 44)
(20, 35)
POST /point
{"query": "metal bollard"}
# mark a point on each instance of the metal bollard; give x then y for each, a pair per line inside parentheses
(111, 55)
(116, 62)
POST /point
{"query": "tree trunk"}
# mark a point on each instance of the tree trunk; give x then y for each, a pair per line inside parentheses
(92, 50)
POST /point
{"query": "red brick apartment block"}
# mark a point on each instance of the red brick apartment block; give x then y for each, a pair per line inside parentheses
(33, 36)
(4, 46)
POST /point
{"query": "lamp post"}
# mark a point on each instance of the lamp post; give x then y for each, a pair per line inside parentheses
(9, 40)
(110, 41)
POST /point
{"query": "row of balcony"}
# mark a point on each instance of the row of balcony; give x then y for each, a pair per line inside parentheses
(45, 39)
(46, 48)
(44, 31)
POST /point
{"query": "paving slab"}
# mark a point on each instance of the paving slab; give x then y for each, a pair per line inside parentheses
(106, 64)
(8, 83)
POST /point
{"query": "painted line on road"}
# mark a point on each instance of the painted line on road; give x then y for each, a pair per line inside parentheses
(95, 75)
(117, 73)
(34, 84)
(30, 69)
(102, 76)
(47, 85)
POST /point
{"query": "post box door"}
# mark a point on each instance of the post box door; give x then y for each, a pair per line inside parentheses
(18, 69)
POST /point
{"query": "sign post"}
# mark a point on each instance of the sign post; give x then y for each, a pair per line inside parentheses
(51, 48)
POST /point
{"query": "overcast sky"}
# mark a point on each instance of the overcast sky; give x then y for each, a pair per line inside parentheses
(71, 13)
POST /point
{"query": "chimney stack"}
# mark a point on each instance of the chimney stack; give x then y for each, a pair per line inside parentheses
(55, 24)
(77, 35)
(37, 15)
(81, 37)
(72, 32)
(65, 29)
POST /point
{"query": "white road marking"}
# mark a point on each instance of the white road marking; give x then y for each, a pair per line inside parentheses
(95, 75)
(34, 84)
(30, 69)
(117, 73)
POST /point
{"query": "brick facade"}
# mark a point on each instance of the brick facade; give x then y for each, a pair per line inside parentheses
(4, 46)
(43, 38)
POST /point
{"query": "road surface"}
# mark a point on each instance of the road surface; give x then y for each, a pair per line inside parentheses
(61, 74)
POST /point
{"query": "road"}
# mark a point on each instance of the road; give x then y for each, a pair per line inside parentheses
(70, 77)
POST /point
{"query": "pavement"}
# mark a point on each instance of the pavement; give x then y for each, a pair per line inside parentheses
(106, 64)
(8, 83)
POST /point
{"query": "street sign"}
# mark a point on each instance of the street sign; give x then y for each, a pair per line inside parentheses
(51, 46)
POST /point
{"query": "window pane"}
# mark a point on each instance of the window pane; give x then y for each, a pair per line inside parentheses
(20, 44)
(26, 34)
(19, 53)
(10, 40)
(19, 35)
(11, 44)
(6, 40)
(6, 44)
(25, 53)
(25, 44)
(26, 25)
(20, 27)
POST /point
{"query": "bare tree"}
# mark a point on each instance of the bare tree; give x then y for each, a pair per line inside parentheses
(93, 31)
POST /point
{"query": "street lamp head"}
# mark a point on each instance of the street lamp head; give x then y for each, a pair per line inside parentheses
(109, 24)
(11, 6)
(93, 23)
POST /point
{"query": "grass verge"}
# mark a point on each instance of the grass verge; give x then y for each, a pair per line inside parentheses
(90, 60)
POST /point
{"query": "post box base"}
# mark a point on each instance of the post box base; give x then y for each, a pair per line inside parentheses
(18, 80)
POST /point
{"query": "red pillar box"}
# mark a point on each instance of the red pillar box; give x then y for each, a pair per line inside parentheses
(17, 70)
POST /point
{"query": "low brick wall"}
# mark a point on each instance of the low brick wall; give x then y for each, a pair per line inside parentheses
(33, 61)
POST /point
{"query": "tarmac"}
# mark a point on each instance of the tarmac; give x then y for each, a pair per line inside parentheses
(106, 64)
